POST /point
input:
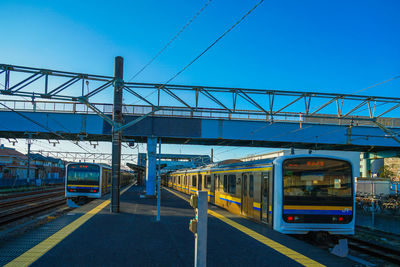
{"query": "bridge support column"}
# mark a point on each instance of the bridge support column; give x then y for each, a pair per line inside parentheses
(151, 166)
(366, 165)
(116, 135)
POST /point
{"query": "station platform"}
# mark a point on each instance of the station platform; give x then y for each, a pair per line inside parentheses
(92, 236)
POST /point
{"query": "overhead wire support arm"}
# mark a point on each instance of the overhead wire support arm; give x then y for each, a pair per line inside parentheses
(392, 134)
(83, 100)
(129, 124)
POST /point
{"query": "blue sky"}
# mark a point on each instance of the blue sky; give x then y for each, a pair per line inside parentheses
(323, 46)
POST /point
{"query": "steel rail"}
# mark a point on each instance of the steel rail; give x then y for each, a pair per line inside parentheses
(27, 210)
(21, 194)
(27, 199)
(373, 249)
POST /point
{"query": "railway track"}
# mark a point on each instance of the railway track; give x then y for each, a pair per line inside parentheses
(21, 205)
(375, 250)
(28, 193)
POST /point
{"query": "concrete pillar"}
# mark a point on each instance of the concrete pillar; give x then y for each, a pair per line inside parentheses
(376, 165)
(151, 166)
(366, 165)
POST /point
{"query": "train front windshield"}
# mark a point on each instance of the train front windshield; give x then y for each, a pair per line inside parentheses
(309, 183)
(83, 174)
(317, 179)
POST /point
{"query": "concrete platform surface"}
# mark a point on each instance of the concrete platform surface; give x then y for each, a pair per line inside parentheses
(134, 238)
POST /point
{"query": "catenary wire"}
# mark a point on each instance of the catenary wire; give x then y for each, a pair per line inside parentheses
(170, 41)
(210, 46)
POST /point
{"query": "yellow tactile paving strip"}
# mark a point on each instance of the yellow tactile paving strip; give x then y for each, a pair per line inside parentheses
(40, 249)
(290, 253)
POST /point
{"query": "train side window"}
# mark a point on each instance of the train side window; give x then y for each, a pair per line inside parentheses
(245, 185)
(200, 182)
(194, 181)
(251, 185)
(208, 181)
(232, 184)
(179, 179)
(225, 183)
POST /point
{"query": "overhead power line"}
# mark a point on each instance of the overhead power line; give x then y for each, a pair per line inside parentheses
(210, 46)
(369, 87)
(170, 41)
(42, 126)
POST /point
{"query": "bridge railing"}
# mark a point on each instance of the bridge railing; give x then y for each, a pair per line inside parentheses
(182, 112)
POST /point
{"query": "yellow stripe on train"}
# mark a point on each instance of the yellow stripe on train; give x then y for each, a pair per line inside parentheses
(230, 198)
(96, 186)
(291, 207)
(246, 170)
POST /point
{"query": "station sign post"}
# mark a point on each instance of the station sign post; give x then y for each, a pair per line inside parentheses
(198, 226)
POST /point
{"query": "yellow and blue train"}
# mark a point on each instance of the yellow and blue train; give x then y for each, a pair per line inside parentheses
(90, 180)
(295, 194)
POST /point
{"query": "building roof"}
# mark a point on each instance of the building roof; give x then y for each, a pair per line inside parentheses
(40, 157)
(7, 151)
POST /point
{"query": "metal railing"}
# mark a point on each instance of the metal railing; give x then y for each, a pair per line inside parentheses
(182, 112)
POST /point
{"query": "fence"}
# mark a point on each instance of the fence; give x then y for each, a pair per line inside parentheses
(14, 182)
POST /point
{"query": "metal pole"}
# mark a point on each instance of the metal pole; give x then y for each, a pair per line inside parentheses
(29, 160)
(373, 214)
(116, 135)
(200, 247)
(159, 181)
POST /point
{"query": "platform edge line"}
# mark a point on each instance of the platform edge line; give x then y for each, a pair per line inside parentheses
(288, 252)
(33, 254)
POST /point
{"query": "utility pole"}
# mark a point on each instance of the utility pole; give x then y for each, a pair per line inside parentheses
(159, 181)
(116, 135)
(29, 159)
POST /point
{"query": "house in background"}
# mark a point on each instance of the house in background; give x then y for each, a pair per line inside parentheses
(14, 164)
(47, 167)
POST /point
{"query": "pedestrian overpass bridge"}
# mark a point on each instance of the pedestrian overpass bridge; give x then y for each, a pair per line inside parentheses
(75, 121)
(52, 104)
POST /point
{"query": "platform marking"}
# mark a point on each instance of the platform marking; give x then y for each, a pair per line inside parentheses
(290, 253)
(40, 249)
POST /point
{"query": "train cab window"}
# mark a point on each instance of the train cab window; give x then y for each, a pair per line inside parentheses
(194, 180)
(232, 184)
(251, 185)
(225, 183)
(208, 181)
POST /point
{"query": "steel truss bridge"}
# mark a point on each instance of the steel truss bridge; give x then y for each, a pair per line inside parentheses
(84, 156)
(55, 104)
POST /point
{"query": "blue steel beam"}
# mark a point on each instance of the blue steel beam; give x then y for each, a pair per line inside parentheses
(204, 131)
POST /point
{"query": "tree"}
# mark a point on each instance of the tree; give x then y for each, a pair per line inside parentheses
(386, 172)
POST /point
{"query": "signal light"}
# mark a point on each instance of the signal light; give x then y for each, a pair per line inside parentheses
(340, 219)
(290, 218)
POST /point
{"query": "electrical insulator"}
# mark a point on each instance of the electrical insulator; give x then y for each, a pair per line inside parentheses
(193, 201)
(193, 226)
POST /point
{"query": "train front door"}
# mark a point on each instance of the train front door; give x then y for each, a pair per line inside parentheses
(266, 197)
(247, 194)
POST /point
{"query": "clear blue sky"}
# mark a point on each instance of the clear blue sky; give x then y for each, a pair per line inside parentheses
(325, 46)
